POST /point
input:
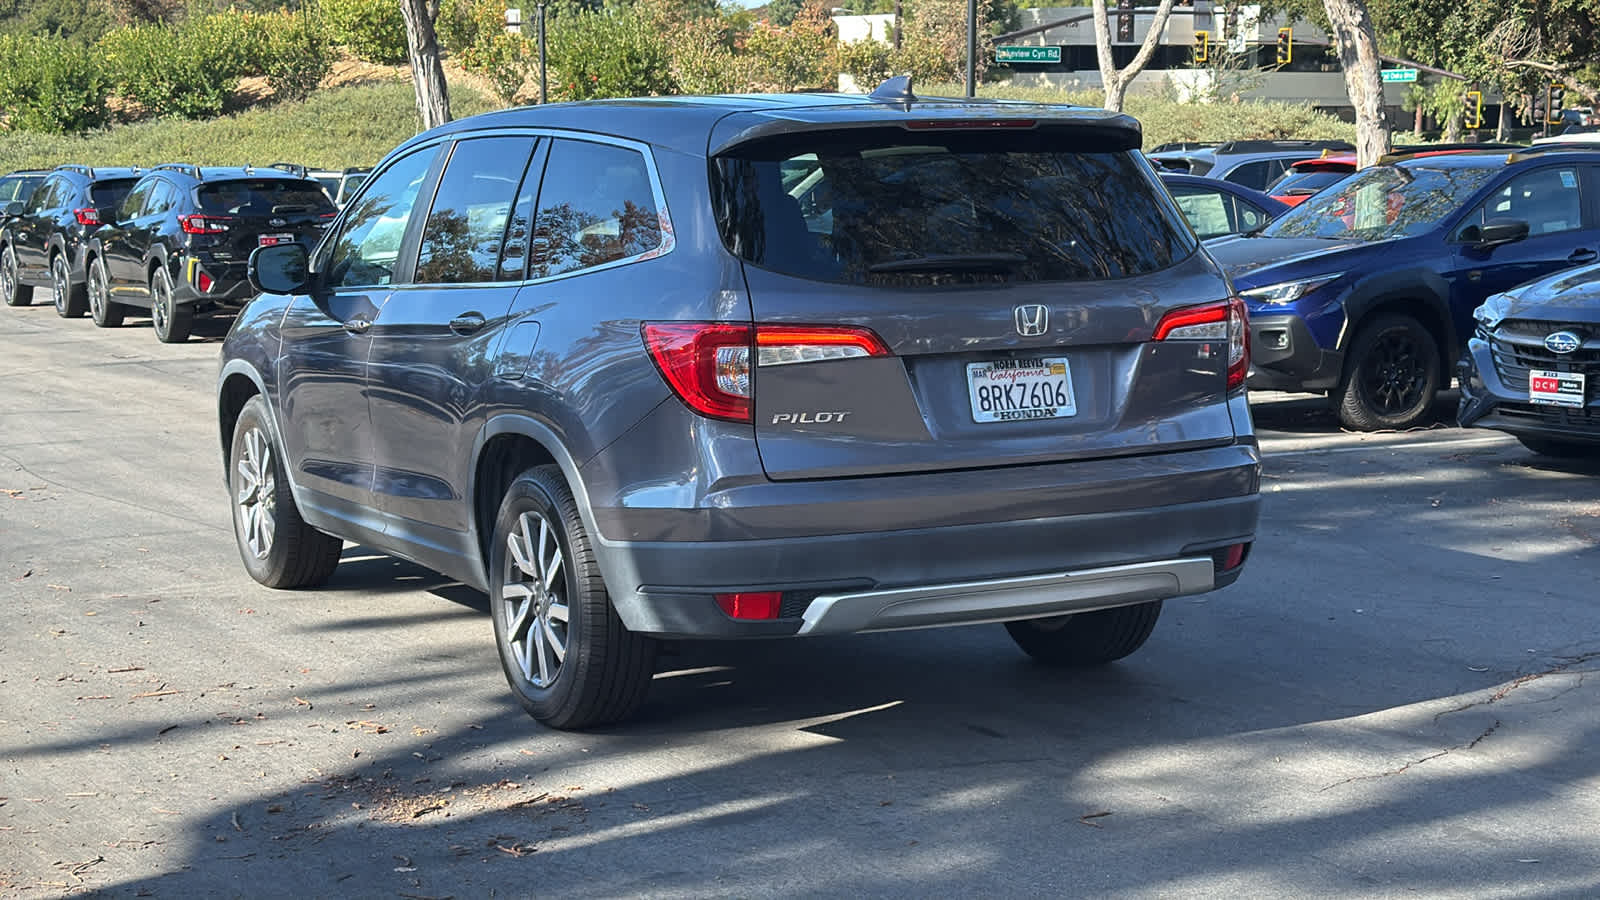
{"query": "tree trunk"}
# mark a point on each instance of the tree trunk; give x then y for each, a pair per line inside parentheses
(427, 74)
(1358, 56)
(1116, 81)
(1502, 128)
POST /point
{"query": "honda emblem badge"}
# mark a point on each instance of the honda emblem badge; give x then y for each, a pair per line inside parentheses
(1032, 320)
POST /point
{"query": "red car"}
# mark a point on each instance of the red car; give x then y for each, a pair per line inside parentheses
(1308, 176)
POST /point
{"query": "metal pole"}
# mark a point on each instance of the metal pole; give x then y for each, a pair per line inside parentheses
(972, 47)
(544, 87)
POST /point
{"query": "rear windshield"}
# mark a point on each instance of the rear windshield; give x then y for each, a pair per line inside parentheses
(109, 193)
(263, 197)
(892, 208)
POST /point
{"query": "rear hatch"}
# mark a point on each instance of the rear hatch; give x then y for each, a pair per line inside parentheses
(238, 215)
(935, 295)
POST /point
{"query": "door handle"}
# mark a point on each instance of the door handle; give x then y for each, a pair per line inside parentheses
(467, 323)
(357, 325)
(1583, 256)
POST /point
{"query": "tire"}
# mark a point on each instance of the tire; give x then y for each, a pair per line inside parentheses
(172, 320)
(1391, 376)
(107, 313)
(11, 287)
(584, 671)
(71, 301)
(278, 548)
(1089, 638)
(1560, 448)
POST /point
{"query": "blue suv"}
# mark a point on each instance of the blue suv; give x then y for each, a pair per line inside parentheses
(1366, 290)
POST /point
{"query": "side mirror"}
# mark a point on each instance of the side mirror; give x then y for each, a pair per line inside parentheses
(14, 209)
(280, 269)
(1495, 232)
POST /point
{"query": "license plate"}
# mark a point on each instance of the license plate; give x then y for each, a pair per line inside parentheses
(273, 240)
(1556, 388)
(1012, 390)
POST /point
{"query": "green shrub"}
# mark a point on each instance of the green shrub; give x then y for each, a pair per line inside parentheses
(374, 30)
(867, 62)
(190, 70)
(796, 56)
(703, 60)
(51, 85)
(297, 53)
(609, 53)
(474, 33)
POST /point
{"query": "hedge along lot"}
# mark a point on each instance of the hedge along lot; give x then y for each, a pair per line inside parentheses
(1166, 120)
(346, 126)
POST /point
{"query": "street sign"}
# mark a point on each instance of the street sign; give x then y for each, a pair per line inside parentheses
(1398, 76)
(1018, 54)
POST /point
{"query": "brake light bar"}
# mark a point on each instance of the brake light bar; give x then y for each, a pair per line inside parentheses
(197, 223)
(87, 216)
(1224, 321)
(711, 365)
(967, 124)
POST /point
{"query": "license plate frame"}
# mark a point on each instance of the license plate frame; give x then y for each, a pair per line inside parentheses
(1563, 389)
(274, 240)
(1027, 389)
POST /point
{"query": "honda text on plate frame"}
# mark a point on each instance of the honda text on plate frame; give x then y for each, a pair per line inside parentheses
(879, 363)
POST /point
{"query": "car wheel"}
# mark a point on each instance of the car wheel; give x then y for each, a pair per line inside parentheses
(1391, 376)
(11, 287)
(1557, 447)
(1088, 638)
(107, 313)
(565, 652)
(278, 548)
(172, 320)
(71, 302)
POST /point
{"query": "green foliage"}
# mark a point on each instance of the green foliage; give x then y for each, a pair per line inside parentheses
(190, 70)
(799, 56)
(867, 62)
(297, 52)
(334, 128)
(610, 53)
(374, 30)
(474, 32)
(703, 58)
(81, 20)
(50, 85)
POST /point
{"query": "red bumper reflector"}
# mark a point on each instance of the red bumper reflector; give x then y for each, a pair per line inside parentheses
(1230, 558)
(756, 605)
(204, 282)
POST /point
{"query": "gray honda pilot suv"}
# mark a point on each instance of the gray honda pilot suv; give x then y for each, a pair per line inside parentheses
(752, 367)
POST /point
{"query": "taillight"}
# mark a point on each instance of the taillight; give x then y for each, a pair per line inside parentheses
(87, 216)
(708, 364)
(197, 223)
(1223, 321)
(751, 605)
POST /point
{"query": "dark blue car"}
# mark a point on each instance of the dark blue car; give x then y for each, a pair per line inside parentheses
(1366, 290)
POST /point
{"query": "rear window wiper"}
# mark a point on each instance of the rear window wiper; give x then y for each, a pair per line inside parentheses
(952, 262)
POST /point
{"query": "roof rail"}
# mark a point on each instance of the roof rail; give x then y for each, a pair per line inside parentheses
(189, 169)
(1553, 147)
(1463, 145)
(1265, 146)
(75, 167)
(1171, 146)
(292, 168)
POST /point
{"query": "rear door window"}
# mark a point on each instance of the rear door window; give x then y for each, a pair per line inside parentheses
(465, 231)
(597, 205)
(1549, 200)
(887, 208)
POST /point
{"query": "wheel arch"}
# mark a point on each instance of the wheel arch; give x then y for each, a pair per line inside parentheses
(508, 445)
(1421, 295)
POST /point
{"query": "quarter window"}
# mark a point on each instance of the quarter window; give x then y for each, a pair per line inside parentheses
(597, 206)
(375, 227)
(465, 230)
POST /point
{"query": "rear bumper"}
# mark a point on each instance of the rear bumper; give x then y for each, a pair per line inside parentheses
(229, 286)
(1285, 357)
(970, 552)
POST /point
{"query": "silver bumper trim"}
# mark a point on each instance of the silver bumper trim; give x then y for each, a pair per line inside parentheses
(1008, 599)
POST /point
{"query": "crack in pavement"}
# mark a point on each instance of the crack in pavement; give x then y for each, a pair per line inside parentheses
(109, 499)
(1504, 691)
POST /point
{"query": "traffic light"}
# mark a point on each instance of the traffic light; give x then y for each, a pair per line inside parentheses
(1554, 95)
(1285, 45)
(1202, 46)
(1474, 114)
(1538, 102)
(1124, 21)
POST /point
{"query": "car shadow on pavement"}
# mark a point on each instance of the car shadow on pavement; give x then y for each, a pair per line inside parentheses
(1314, 414)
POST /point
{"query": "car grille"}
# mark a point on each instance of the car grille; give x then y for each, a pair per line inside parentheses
(1518, 346)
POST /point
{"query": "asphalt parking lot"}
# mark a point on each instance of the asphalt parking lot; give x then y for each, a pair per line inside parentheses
(1394, 700)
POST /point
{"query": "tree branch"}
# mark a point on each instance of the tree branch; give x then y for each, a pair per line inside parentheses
(1158, 27)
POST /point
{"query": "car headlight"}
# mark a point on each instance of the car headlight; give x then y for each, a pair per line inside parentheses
(1490, 312)
(1288, 291)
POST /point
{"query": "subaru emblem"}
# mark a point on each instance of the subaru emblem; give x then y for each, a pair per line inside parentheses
(277, 223)
(1032, 320)
(1559, 342)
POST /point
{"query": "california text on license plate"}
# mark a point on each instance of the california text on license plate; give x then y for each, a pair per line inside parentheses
(273, 240)
(1010, 390)
(1556, 388)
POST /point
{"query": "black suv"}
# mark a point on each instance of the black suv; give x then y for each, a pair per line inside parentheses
(45, 240)
(752, 367)
(179, 241)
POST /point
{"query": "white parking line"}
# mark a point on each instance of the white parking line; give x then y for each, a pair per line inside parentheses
(1268, 452)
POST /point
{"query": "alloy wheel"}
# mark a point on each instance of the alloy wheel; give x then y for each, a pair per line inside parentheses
(97, 286)
(8, 273)
(1395, 374)
(161, 307)
(536, 612)
(60, 285)
(256, 496)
